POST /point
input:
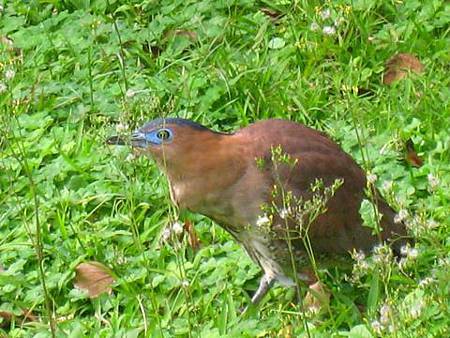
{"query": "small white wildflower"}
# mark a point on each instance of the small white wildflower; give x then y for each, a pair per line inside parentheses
(177, 228)
(121, 127)
(359, 256)
(385, 313)
(314, 27)
(378, 249)
(185, 283)
(377, 327)
(371, 178)
(404, 250)
(325, 14)
(401, 216)
(329, 30)
(284, 213)
(2, 87)
(388, 185)
(363, 265)
(433, 181)
(130, 157)
(262, 221)
(166, 233)
(413, 253)
(9, 74)
(1, 8)
(130, 93)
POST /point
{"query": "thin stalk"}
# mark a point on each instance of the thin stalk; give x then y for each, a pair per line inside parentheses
(37, 243)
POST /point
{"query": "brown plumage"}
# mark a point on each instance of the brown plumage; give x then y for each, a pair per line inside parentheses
(218, 175)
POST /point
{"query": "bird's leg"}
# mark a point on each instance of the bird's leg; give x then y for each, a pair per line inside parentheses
(265, 284)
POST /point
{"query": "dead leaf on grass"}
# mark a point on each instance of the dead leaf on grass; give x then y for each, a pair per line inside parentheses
(94, 277)
(411, 155)
(398, 67)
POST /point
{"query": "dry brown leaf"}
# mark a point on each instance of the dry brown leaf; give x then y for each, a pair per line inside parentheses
(398, 66)
(411, 156)
(193, 239)
(8, 317)
(317, 298)
(271, 13)
(94, 277)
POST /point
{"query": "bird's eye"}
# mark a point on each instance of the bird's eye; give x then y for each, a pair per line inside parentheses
(163, 134)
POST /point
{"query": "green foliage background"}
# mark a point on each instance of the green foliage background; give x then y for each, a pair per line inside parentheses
(84, 69)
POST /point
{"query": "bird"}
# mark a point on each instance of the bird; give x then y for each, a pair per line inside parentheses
(281, 189)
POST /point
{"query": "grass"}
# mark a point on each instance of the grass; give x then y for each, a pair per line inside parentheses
(72, 73)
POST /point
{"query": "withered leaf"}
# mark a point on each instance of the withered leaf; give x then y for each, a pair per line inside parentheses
(271, 13)
(411, 156)
(398, 66)
(317, 298)
(8, 317)
(193, 239)
(94, 277)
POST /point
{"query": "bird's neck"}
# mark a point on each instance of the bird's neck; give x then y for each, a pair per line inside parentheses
(203, 173)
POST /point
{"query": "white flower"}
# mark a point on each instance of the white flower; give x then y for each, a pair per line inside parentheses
(130, 93)
(385, 313)
(1, 8)
(359, 256)
(2, 87)
(413, 253)
(433, 181)
(329, 30)
(376, 326)
(401, 216)
(185, 283)
(262, 221)
(166, 233)
(404, 250)
(284, 213)
(9, 74)
(325, 14)
(177, 228)
(121, 127)
(388, 185)
(314, 27)
(371, 178)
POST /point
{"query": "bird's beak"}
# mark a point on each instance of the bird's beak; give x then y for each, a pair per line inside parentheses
(138, 140)
(116, 140)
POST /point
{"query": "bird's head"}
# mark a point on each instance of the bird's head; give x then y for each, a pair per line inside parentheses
(172, 142)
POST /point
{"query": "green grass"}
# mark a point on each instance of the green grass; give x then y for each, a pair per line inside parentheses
(82, 69)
